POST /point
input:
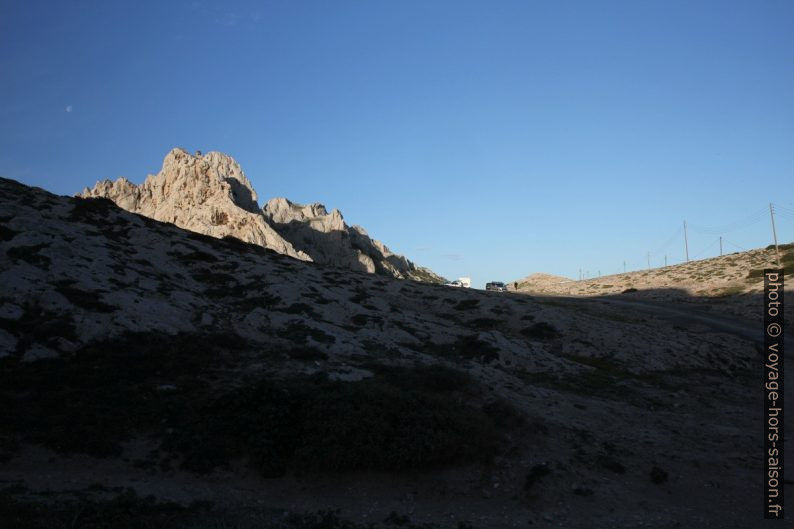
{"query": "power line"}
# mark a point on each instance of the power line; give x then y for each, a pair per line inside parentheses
(706, 250)
(748, 221)
(669, 241)
(740, 248)
(780, 208)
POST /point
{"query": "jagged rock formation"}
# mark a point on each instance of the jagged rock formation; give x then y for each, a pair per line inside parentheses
(207, 194)
(328, 239)
(210, 194)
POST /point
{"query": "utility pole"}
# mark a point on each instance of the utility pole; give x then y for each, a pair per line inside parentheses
(580, 274)
(686, 244)
(720, 245)
(624, 267)
(665, 260)
(649, 261)
(599, 273)
(774, 233)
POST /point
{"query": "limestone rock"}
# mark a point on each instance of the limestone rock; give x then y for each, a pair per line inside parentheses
(328, 239)
(210, 194)
(207, 194)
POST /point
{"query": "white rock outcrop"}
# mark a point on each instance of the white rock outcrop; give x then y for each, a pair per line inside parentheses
(207, 194)
(328, 239)
(210, 194)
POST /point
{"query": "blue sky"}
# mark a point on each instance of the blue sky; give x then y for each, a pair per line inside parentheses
(488, 139)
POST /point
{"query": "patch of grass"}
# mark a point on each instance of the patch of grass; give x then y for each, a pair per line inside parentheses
(787, 246)
(372, 426)
(313, 424)
(360, 296)
(467, 304)
(425, 377)
(85, 299)
(6, 233)
(30, 254)
(730, 291)
(609, 383)
(307, 354)
(196, 256)
(359, 319)
(93, 401)
(219, 280)
(470, 347)
(301, 308)
(534, 475)
(264, 301)
(298, 332)
(92, 210)
(318, 298)
(658, 475)
(125, 511)
(401, 419)
(758, 273)
(9, 445)
(541, 331)
(611, 464)
(599, 362)
(41, 326)
(483, 324)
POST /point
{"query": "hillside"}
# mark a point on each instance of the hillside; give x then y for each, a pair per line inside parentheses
(152, 376)
(736, 273)
(730, 283)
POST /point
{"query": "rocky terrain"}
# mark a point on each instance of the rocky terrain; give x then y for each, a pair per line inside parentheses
(210, 194)
(730, 284)
(329, 240)
(151, 376)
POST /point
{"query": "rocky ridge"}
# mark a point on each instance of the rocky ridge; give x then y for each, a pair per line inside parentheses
(328, 239)
(210, 194)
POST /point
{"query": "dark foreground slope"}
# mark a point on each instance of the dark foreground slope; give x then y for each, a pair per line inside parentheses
(153, 377)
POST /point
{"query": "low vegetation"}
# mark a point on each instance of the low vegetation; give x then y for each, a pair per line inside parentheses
(170, 390)
(125, 509)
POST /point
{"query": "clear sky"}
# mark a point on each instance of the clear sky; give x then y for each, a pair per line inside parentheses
(484, 138)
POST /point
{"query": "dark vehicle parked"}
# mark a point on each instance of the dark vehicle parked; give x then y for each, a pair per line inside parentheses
(497, 286)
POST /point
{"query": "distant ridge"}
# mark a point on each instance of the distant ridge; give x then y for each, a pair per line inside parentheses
(735, 273)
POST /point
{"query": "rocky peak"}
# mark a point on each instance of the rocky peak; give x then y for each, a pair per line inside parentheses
(207, 193)
(197, 175)
(210, 194)
(282, 211)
